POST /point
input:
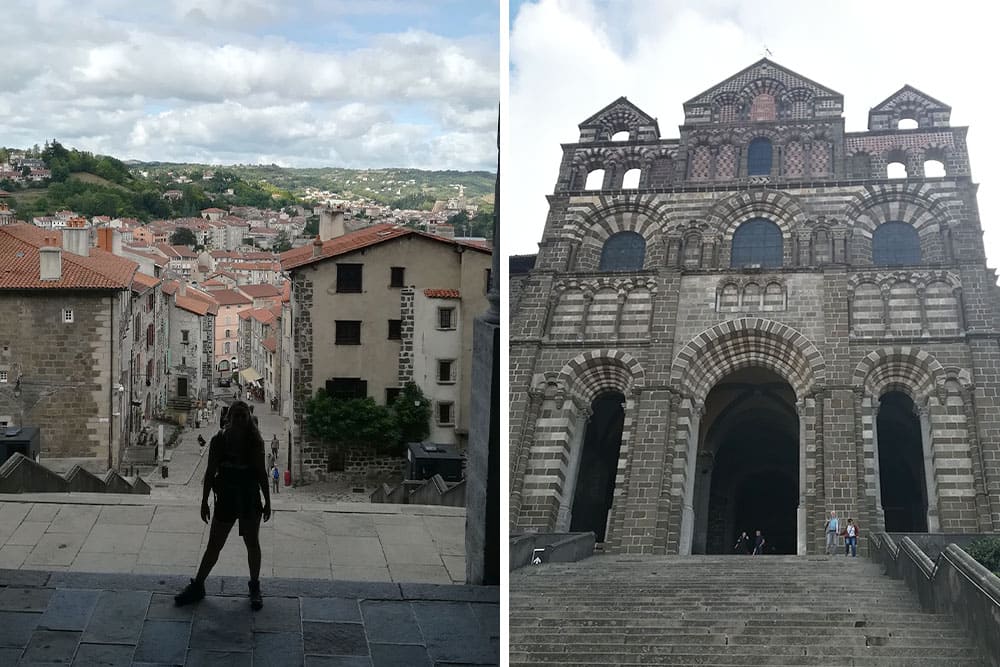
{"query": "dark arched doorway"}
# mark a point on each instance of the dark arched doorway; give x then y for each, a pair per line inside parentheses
(748, 472)
(901, 465)
(595, 480)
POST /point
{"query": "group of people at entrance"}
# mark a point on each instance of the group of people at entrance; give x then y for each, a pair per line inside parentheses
(848, 531)
(746, 547)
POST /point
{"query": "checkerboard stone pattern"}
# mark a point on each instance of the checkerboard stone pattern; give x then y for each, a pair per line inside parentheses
(841, 331)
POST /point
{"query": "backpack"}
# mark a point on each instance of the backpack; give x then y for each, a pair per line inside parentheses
(274, 472)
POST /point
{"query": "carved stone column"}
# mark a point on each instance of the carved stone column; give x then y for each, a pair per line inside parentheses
(926, 437)
(691, 468)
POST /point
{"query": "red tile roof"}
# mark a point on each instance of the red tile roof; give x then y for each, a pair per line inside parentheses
(19, 263)
(141, 282)
(259, 291)
(362, 238)
(262, 315)
(228, 297)
(270, 344)
(442, 293)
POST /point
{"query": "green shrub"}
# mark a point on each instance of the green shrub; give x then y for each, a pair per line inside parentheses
(987, 551)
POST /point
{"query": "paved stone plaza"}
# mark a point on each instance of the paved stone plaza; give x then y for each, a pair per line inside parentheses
(140, 535)
(111, 619)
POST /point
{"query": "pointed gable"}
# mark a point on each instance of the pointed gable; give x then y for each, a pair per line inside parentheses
(619, 116)
(763, 91)
(908, 102)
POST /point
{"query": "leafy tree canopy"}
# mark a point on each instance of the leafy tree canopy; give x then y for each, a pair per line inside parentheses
(183, 236)
(355, 422)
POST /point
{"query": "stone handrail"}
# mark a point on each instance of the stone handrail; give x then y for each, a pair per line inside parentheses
(20, 474)
(956, 584)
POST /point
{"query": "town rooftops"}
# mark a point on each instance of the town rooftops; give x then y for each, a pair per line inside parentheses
(363, 238)
(142, 282)
(20, 266)
(191, 299)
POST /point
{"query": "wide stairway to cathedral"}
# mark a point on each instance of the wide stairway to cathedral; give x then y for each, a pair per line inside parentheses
(726, 610)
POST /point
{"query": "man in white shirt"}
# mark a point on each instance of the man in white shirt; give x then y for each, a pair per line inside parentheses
(832, 527)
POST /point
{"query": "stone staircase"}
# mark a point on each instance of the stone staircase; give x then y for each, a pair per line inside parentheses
(726, 610)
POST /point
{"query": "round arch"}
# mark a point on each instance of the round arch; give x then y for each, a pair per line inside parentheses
(741, 343)
(910, 370)
(590, 373)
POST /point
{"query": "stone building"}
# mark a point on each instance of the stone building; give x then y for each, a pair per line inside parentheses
(364, 307)
(760, 321)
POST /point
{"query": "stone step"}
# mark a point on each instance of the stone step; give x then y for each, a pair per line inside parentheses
(812, 618)
(680, 637)
(518, 657)
(801, 650)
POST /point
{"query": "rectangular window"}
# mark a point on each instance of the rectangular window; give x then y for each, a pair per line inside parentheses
(150, 335)
(3, 376)
(446, 414)
(446, 371)
(348, 332)
(149, 302)
(489, 277)
(446, 318)
(68, 315)
(349, 277)
(397, 275)
(184, 337)
(391, 394)
(347, 388)
(395, 329)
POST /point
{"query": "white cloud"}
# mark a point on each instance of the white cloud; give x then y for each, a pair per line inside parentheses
(569, 58)
(119, 76)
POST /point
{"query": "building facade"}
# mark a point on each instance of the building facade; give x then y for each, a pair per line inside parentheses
(758, 322)
(358, 327)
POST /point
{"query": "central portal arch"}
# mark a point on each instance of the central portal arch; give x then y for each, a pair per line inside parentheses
(781, 369)
(748, 472)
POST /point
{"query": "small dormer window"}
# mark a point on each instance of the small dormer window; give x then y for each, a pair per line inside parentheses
(68, 315)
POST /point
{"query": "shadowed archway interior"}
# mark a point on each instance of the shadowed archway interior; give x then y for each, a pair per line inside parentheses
(901, 465)
(747, 476)
(595, 482)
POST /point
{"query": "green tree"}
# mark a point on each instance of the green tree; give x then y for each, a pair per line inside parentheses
(282, 242)
(353, 422)
(183, 236)
(987, 551)
(312, 226)
(413, 413)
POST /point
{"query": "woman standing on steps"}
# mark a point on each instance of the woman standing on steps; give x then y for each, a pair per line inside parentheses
(236, 474)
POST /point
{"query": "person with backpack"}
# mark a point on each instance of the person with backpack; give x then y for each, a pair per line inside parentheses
(235, 474)
(851, 534)
(275, 476)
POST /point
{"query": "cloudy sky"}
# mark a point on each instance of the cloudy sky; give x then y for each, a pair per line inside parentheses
(378, 83)
(569, 58)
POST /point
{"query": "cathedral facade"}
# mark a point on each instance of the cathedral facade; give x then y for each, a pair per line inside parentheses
(758, 322)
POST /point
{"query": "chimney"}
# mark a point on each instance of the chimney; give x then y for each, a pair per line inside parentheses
(49, 261)
(317, 247)
(116, 242)
(331, 223)
(182, 288)
(76, 240)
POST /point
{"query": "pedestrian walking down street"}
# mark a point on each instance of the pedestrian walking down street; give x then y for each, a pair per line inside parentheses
(832, 529)
(275, 476)
(235, 474)
(851, 534)
(758, 544)
(274, 446)
(743, 544)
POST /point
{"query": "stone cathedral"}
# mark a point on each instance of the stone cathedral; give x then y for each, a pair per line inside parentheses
(760, 321)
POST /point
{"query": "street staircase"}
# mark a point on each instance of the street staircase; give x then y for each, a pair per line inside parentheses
(726, 610)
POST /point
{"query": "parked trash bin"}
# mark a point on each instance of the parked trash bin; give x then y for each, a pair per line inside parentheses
(163, 472)
(288, 478)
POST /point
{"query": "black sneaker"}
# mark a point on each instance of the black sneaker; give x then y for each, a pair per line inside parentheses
(256, 600)
(192, 593)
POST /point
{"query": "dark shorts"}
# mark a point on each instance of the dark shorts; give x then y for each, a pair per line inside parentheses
(248, 513)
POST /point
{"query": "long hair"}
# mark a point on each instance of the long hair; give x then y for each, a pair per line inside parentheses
(241, 427)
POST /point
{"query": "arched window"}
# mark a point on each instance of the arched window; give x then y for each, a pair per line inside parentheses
(907, 124)
(620, 136)
(933, 169)
(759, 157)
(595, 180)
(624, 251)
(757, 242)
(895, 244)
(630, 181)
